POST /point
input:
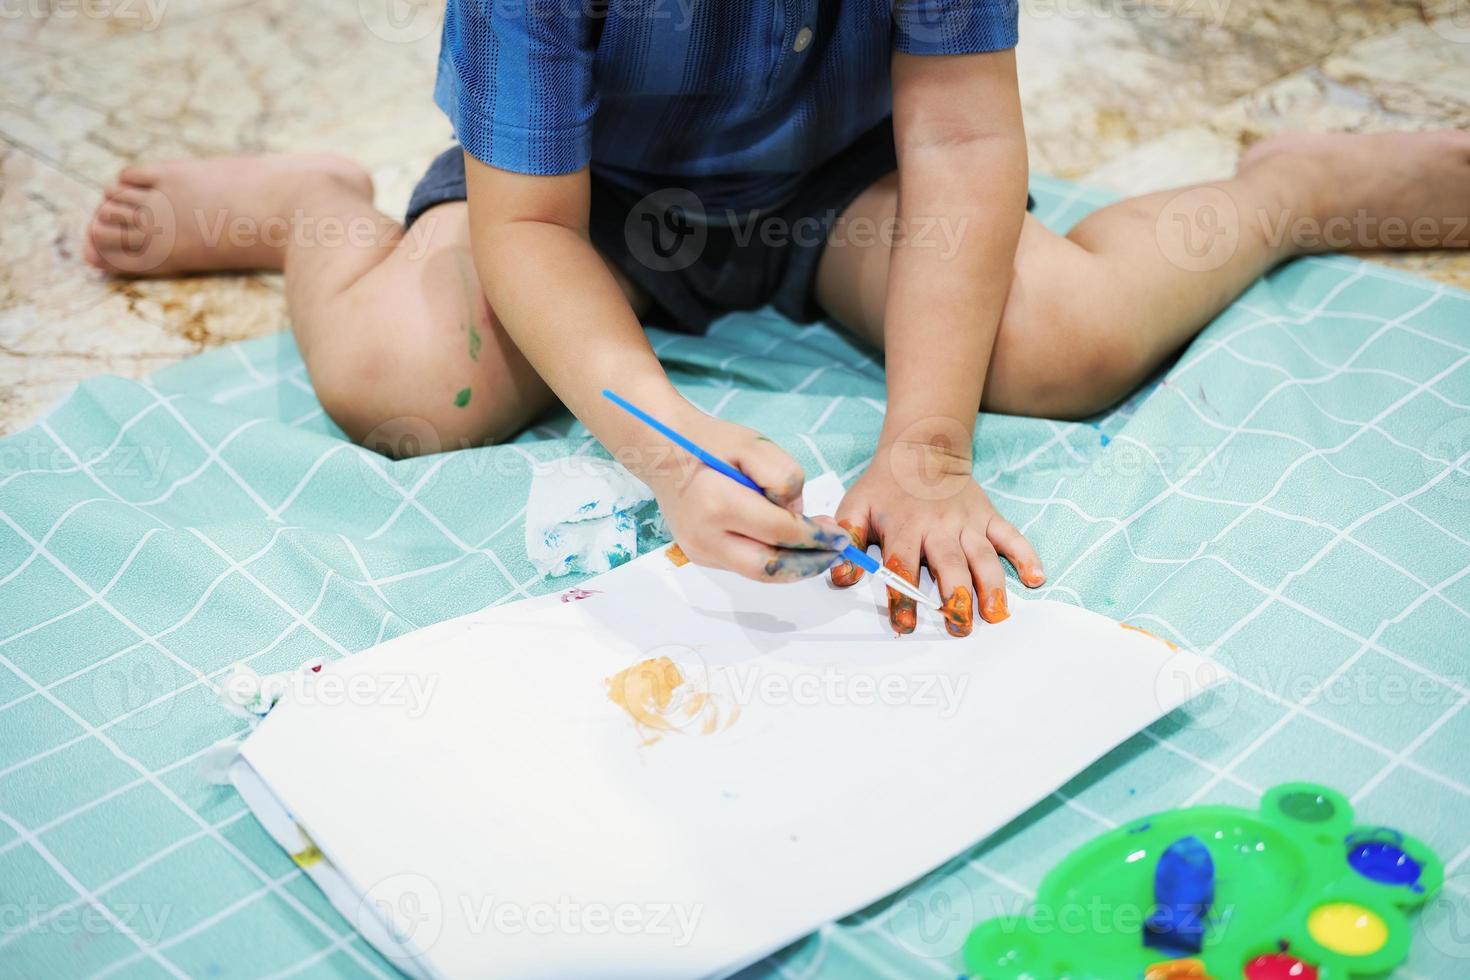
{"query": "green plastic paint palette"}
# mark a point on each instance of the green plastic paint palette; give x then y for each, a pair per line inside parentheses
(1300, 891)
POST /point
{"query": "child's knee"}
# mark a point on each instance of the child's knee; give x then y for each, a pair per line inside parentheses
(393, 403)
(1067, 360)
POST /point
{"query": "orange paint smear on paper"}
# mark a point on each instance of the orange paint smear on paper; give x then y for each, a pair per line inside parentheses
(1151, 636)
(659, 699)
(675, 554)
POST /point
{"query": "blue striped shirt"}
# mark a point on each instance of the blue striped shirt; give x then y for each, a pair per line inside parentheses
(735, 99)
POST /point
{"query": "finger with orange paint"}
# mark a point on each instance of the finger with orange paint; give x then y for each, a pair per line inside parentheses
(952, 574)
(989, 577)
(959, 611)
(903, 612)
(901, 556)
(845, 573)
(1008, 541)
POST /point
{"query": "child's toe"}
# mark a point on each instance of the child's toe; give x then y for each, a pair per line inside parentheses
(116, 213)
(90, 254)
(139, 175)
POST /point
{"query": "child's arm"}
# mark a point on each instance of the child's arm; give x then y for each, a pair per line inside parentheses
(962, 163)
(560, 303)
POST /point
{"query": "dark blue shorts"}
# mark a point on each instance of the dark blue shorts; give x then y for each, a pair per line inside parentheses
(696, 266)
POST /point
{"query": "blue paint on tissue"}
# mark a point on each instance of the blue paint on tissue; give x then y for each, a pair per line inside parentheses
(585, 515)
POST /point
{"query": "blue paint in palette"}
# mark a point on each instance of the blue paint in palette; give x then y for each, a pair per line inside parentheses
(1384, 862)
(1184, 890)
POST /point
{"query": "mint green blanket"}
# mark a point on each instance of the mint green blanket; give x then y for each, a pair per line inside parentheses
(1291, 498)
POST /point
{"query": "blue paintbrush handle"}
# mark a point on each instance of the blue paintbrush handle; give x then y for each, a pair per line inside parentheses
(861, 559)
(708, 459)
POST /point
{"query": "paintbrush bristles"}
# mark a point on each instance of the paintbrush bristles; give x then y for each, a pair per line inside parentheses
(901, 584)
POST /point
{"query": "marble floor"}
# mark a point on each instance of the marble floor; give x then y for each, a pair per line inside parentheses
(1132, 95)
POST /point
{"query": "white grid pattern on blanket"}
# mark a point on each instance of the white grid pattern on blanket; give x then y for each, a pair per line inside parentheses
(333, 938)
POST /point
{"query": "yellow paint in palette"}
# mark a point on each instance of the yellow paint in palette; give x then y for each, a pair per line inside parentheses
(1349, 928)
(660, 699)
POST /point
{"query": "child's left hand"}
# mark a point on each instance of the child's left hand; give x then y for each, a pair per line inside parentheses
(921, 501)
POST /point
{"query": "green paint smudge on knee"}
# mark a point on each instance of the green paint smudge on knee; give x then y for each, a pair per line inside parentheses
(462, 398)
(471, 302)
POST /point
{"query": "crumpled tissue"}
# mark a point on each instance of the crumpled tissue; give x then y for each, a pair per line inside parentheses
(249, 695)
(586, 514)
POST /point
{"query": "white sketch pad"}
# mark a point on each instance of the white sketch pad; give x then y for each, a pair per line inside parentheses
(509, 821)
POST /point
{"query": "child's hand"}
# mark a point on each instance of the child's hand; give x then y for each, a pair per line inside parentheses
(919, 500)
(721, 524)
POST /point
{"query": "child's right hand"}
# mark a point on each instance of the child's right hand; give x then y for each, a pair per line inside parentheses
(721, 524)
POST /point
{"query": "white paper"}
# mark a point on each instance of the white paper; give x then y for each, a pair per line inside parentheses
(476, 787)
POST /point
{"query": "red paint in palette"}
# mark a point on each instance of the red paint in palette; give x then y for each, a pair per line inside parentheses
(1279, 966)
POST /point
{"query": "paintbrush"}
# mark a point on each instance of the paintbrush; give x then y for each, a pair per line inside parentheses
(852, 553)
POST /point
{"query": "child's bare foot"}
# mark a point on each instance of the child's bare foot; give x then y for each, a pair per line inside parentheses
(1368, 191)
(212, 214)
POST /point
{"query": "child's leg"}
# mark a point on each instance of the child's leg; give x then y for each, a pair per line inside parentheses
(1091, 315)
(393, 326)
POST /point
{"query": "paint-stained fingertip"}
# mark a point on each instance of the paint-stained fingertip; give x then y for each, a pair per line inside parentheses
(787, 498)
(902, 613)
(993, 606)
(958, 612)
(793, 565)
(828, 535)
(848, 573)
